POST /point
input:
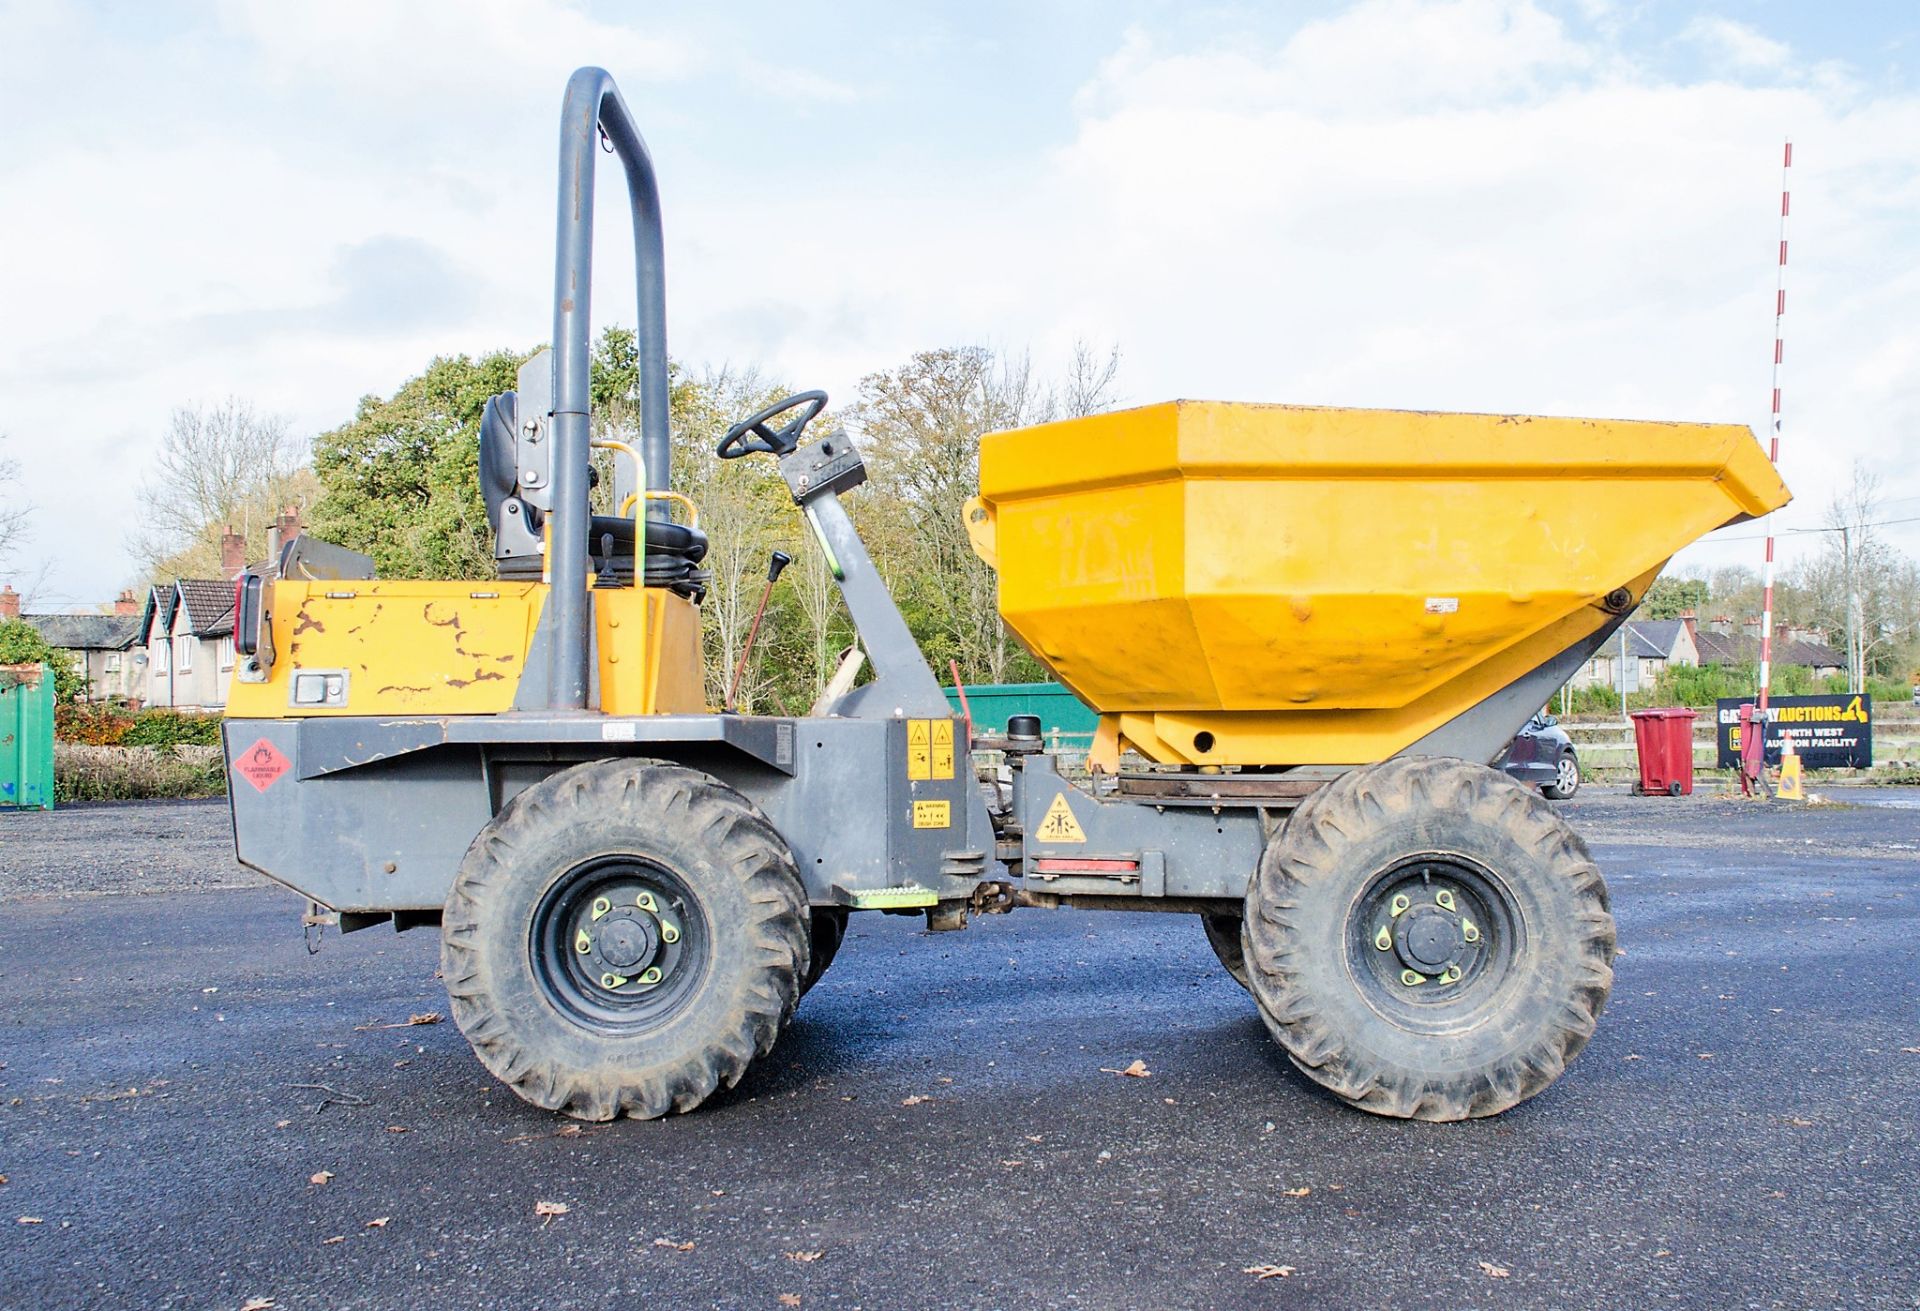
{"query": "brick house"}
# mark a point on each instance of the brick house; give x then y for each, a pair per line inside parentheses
(104, 647)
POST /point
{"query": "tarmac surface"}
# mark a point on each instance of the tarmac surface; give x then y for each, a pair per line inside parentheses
(941, 1125)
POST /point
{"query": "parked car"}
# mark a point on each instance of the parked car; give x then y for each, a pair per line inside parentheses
(1541, 755)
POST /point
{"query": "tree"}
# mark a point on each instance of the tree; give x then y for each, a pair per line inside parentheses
(219, 466)
(1859, 586)
(920, 425)
(401, 480)
(22, 644)
(1669, 598)
(14, 509)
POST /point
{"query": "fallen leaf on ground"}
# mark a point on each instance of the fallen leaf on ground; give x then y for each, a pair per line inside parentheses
(1663, 1252)
(281, 1124)
(1634, 1056)
(424, 1017)
(30, 1220)
(380, 1223)
(3, 1179)
(1911, 1051)
(789, 1299)
(1137, 1070)
(319, 1176)
(1301, 1191)
(329, 1242)
(678, 1247)
(914, 1100)
(257, 1304)
(396, 1128)
(1492, 1271)
(805, 1257)
(1799, 1123)
(1269, 1271)
(548, 1210)
(1705, 1056)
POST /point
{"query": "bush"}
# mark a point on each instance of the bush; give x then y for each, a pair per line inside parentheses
(21, 644)
(97, 773)
(172, 728)
(91, 723)
(114, 726)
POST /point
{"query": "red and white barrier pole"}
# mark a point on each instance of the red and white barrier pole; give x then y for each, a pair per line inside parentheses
(1758, 757)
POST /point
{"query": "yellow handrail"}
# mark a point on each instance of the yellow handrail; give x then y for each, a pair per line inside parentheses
(693, 511)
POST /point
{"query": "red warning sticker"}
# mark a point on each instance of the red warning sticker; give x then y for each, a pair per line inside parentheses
(262, 764)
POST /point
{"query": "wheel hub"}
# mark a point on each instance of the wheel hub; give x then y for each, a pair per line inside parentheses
(625, 939)
(1429, 939)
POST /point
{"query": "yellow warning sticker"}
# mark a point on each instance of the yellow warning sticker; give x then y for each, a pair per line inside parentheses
(933, 814)
(1058, 824)
(919, 749)
(942, 748)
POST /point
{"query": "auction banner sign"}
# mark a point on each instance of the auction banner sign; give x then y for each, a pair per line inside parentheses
(1828, 732)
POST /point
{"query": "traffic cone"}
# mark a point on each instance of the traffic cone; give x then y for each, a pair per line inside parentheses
(1792, 784)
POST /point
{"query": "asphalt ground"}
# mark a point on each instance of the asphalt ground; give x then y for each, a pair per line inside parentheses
(940, 1125)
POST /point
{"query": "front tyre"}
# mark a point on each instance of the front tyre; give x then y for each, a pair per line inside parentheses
(1566, 778)
(1427, 939)
(625, 937)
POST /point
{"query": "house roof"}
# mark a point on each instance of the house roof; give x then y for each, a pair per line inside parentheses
(1637, 644)
(87, 632)
(209, 603)
(1661, 635)
(1739, 649)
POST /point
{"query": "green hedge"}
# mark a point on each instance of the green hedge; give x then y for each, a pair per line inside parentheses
(172, 728)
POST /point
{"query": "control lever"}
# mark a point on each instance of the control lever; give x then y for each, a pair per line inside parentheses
(780, 560)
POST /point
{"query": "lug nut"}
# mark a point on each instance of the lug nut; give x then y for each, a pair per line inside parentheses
(1469, 930)
(1383, 939)
(1400, 905)
(1412, 978)
(669, 932)
(583, 944)
(1444, 899)
(652, 974)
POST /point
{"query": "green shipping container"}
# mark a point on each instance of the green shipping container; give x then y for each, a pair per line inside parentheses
(1065, 720)
(26, 736)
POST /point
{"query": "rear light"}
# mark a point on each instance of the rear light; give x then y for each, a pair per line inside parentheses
(249, 605)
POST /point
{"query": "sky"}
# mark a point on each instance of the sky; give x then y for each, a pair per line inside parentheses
(1540, 206)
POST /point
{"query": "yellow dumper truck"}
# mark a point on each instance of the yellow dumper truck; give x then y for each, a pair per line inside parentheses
(1306, 632)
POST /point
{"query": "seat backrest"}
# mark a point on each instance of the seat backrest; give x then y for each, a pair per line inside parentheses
(499, 453)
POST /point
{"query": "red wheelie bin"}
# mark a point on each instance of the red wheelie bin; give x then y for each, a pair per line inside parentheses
(1664, 741)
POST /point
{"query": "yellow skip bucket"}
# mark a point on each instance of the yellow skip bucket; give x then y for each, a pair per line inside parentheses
(1287, 585)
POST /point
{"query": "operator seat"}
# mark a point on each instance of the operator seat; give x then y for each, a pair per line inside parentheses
(674, 551)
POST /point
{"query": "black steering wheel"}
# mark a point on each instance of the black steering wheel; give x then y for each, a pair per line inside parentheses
(752, 434)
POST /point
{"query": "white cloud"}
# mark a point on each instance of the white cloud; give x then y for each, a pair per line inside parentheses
(1429, 203)
(1736, 45)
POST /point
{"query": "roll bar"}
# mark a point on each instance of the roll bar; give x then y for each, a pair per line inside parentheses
(593, 108)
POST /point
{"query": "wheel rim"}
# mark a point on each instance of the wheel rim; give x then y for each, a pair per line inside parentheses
(1567, 774)
(618, 944)
(1433, 941)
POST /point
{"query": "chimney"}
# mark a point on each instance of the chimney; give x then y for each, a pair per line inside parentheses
(124, 604)
(285, 528)
(233, 553)
(9, 603)
(1720, 624)
(1692, 621)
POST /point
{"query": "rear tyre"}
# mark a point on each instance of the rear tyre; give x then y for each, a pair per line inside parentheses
(1427, 939)
(1566, 778)
(624, 938)
(1223, 935)
(828, 930)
